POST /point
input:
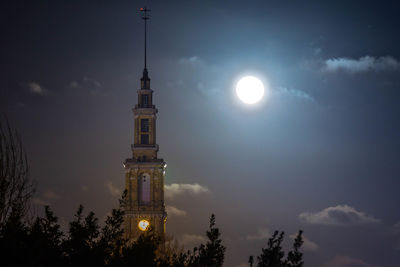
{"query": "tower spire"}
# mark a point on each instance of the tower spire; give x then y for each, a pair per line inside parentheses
(145, 17)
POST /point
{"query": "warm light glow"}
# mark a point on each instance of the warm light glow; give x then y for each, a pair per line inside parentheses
(250, 90)
(144, 225)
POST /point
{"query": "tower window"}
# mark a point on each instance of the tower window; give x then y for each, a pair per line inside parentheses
(144, 125)
(145, 100)
(144, 139)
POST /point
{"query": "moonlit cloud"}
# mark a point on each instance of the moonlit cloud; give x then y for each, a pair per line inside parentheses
(190, 60)
(114, 191)
(262, 233)
(308, 245)
(363, 64)
(173, 190)
(36, 88)
(283, 91)
(345, 261)
(174, 211)
(341, 215)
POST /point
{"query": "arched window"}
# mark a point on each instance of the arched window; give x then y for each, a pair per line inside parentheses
(144, 188)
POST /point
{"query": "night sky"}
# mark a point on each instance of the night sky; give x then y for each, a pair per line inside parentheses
(320, 153)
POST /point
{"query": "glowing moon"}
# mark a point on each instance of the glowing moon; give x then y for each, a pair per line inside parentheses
(250, 90)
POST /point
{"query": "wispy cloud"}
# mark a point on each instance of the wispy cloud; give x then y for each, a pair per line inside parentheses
(174, 211)
(341, 215)
(45, 198)
(36, 88)
(190, 60)
(91, 85)
(363, 64)
(291, 92)
(345, 261)
(262, 233)
(114, 191)
(173, 190)
(92, 81)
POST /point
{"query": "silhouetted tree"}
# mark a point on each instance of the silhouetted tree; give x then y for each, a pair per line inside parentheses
(142, 252)
(45, 240)
(295, 257)
(211, 254)
(112, 235)
(16, 189)
(273, 255)
(81, 246)
(14, 236)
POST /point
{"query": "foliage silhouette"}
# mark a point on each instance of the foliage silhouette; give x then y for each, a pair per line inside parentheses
(273, 255)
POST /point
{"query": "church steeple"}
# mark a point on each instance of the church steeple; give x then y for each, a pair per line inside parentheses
(144, 171)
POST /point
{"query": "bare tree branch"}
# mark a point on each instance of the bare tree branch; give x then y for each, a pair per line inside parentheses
(16, 187)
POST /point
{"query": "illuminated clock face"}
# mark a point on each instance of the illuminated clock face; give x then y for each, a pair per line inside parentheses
(144, 225)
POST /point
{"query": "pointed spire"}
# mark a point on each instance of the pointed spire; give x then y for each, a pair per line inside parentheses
(145, 17)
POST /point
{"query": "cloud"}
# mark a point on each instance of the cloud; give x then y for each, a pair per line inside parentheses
(262, 233)
(317, 51)
(174, 211)
(363, 64)
(294, 93)
(308, 245)
(94, 82)
(345, 261)
(192, 240)
(190, 60)
(35, 88)
(173, 190)
(91, 85)
(46, 198)
(74, 85)
(114, 191)
(341, 215)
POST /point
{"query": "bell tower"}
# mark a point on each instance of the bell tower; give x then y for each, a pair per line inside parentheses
(144, 172)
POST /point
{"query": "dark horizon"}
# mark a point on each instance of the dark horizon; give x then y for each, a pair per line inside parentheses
(320, 153)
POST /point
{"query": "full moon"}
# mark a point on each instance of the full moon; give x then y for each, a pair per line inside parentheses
(250, 90)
